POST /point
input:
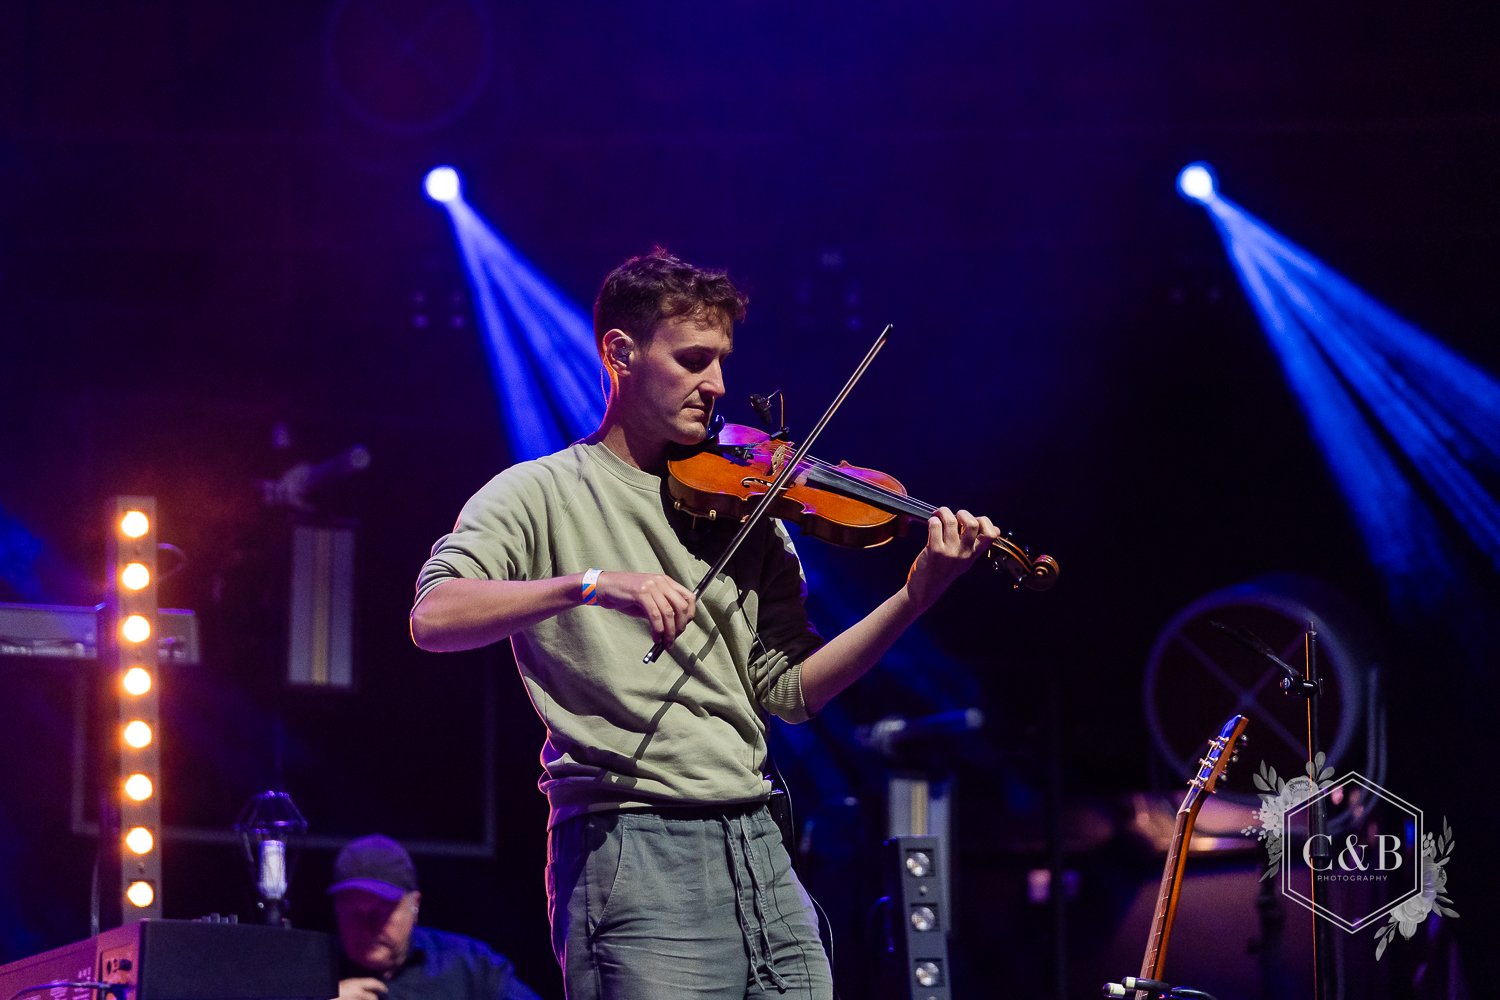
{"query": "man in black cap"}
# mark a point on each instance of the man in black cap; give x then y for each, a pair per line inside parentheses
(386, 955)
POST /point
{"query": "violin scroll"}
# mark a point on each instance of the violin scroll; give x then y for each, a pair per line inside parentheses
(1038, 573)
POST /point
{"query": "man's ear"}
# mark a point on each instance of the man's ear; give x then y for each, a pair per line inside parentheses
(618, 349)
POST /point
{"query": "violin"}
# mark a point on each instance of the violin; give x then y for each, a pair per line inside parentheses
(756, 456)
(726, 475)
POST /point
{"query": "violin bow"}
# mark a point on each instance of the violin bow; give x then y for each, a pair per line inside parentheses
(763, 505)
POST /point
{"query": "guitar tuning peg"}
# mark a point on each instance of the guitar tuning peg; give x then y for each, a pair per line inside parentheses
(1244, 739)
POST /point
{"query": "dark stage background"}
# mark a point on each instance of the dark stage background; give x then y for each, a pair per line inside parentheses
(211, 225)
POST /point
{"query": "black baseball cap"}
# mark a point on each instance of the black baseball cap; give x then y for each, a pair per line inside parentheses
(374, 864)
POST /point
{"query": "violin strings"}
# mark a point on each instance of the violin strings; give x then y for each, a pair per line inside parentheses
(865, 485)
(895, 499)
(890, 496)
(898, 499)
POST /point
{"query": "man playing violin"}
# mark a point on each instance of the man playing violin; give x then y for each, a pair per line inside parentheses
(665, 874)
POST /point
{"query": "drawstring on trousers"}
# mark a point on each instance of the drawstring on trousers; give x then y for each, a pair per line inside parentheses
(758, 944)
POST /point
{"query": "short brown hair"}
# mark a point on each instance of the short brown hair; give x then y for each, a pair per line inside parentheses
(645, 290)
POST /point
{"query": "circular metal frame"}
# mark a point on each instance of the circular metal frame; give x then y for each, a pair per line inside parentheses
(1197, 674)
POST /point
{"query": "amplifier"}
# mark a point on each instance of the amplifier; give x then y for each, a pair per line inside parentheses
(185, 960)
(73, 963)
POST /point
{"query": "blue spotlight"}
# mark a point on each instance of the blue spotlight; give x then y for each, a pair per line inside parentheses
(442, 185)
(1196, 182)
(1410, 429)
(540, 346)
(20, 558)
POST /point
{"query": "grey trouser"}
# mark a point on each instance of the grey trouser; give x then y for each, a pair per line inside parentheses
(681, 903)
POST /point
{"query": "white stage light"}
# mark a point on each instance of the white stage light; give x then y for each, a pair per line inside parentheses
(1197, 182)
(442, 184)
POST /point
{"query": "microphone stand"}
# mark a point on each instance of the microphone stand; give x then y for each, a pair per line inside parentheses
(1307, 685)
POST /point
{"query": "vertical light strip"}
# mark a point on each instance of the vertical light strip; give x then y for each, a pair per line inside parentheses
(322, 607)
(131, 625)
(321, 637)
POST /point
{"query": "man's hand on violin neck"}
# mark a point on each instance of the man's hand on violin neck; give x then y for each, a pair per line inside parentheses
(666, 605)
(954, 542)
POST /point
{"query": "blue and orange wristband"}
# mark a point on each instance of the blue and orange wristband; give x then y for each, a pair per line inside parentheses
(588, 590)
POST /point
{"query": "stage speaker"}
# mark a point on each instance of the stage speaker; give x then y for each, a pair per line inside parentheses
(917, 946)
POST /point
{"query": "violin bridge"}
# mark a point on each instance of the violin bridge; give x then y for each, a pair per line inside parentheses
(778, 460)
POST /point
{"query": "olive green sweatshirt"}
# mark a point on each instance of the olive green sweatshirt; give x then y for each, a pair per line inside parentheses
(686, 729)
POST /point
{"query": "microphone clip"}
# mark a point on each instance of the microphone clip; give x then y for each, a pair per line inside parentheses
(762, 407)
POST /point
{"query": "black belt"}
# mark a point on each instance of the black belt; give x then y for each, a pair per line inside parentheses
(725, 810)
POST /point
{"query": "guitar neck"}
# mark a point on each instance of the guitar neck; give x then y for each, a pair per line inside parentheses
(1171, 889)
(1213, 766)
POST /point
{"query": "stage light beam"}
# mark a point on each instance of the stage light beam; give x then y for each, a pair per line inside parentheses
(541, 351)
(442, 185)
(1410, 429)
(1197, 182)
